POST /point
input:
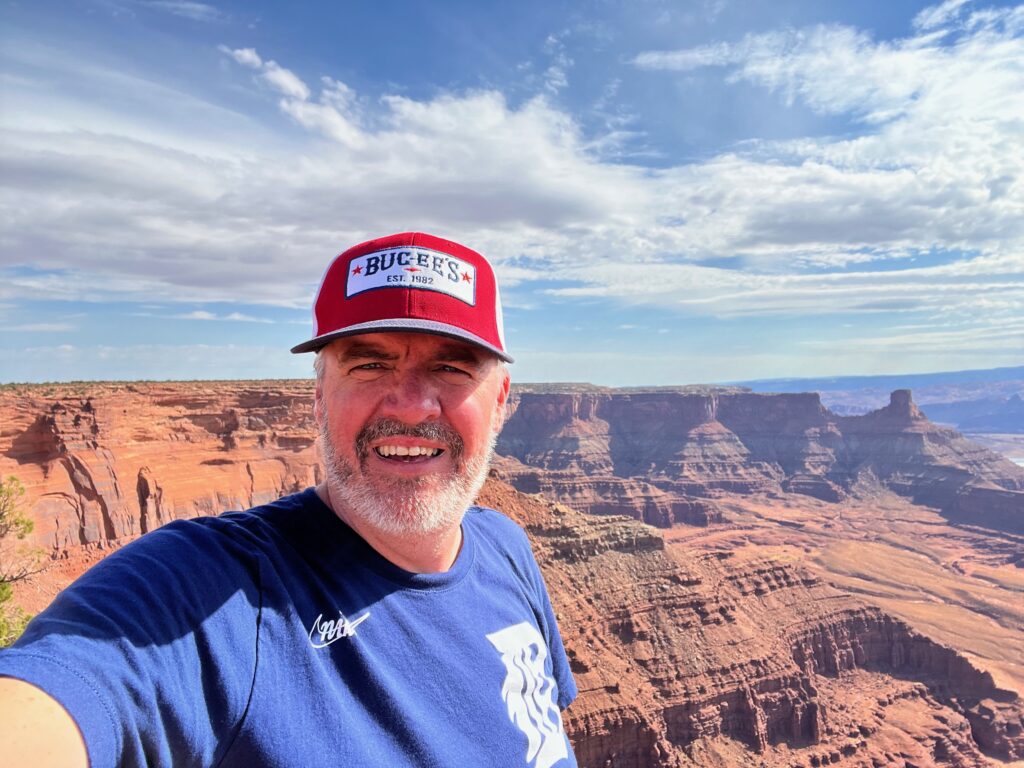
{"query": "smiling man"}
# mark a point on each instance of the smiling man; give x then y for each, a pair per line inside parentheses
(378, 619)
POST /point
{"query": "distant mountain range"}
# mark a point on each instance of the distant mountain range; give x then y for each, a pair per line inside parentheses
(980, 401)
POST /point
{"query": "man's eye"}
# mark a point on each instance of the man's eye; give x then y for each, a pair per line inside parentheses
(453, 369)
(368, 367)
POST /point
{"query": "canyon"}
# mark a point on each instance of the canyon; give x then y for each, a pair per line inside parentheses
(740, 578)
(682, 448)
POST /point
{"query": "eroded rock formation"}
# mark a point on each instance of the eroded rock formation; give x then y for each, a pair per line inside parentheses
(103, 464)
(711, 658)
(711, 654)
(664, 456)
(116, 460)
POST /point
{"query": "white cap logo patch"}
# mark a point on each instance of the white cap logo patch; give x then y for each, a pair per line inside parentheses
(412, 267)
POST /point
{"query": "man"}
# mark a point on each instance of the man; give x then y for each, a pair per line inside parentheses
(373, 620)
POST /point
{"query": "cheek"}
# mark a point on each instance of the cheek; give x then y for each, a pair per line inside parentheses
(477, 423)
(341, 417)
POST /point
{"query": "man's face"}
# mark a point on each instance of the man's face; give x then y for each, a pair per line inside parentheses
(407, 424)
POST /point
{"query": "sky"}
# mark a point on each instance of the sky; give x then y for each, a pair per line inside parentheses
(671, 192)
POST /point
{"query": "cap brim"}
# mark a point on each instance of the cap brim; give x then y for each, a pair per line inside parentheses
(402, 325)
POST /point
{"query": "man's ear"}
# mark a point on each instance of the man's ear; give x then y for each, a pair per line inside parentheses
(318, 403)
(501, 405)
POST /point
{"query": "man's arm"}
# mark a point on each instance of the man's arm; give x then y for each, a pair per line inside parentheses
(152, 652)
(36, 731)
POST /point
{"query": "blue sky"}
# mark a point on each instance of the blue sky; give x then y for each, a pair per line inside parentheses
(672, 192)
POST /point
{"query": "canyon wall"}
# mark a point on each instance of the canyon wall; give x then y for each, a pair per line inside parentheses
(664, 456)
(684, 656)
(116, 460)
(687, 658)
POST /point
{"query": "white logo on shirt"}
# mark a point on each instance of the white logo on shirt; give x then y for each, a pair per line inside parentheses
(529, 693)
(324, 632)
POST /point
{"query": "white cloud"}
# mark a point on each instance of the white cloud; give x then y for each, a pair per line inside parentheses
(39, 327)
(201, 314)
(186, 9)
(714, 55)
(962, 339)
(159, 361)
(282, 80)
(247, 57)
(834, 69)
(925, 175)
(992, 296)
(285, 81)
(838, 69)
(102, 211)
(938, 15)
(556, 76)
(242, 318)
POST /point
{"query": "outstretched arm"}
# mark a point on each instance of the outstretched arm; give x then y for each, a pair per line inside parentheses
(35, 730)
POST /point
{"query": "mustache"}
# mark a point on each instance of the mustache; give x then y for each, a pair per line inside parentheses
(432, 431)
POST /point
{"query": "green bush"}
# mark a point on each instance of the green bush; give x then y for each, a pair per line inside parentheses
(16, 561)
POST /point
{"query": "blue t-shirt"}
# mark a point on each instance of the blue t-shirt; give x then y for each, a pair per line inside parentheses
(279, 637)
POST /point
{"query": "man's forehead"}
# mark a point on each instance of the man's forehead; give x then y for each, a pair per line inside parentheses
(398, 344)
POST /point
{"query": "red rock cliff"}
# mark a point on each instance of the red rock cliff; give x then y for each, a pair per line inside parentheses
(118, 460)
(579, 447)
(684, 657)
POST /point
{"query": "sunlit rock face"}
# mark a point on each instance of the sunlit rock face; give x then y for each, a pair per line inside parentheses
(690, 657)
(105, 462)
(717, 638)
(663, 457)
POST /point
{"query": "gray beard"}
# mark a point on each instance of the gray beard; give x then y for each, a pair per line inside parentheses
(405, 505)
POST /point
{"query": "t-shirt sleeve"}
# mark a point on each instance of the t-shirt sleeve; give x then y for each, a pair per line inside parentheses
(549, 625)
(559, 661)
(153, 650)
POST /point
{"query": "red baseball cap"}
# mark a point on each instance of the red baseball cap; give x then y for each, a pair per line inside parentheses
(409, 282)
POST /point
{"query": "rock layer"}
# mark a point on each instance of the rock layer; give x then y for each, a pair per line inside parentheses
(708, 658)
(685, 656)
(579, 447)
(117, 460)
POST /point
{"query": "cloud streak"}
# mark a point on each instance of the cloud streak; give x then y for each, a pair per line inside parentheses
(186, 9)
(146, 217)
(237, 317)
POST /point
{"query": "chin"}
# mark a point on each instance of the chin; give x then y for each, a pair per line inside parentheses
(404, 506)
(409, 510)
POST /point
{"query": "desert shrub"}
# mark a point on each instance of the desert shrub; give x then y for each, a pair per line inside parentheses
(17, 561)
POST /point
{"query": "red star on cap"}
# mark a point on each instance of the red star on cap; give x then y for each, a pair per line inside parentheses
(357, 270)
(466, 278)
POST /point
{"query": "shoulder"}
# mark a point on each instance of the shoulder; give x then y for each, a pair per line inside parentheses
(175, 579)
(489, 522)
(232, 535)
(287, 516)
(194, 556)
(500, 539)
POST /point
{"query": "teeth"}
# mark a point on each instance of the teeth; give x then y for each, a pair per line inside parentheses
(401, 450)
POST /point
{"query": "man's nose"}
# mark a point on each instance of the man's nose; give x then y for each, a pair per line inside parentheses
(412, 397)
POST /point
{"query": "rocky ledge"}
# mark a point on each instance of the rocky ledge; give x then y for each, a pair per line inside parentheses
(664, 456)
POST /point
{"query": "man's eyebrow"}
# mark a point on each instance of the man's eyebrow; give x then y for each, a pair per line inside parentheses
(364, 351)
(459, 353)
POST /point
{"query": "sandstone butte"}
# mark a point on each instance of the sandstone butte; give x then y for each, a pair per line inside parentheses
(740, 579)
